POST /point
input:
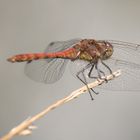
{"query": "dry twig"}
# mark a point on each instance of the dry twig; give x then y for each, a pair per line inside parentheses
(26, 127)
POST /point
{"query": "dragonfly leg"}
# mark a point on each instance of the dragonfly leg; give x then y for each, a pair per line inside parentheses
(89, 74)
(107, 67)
(84, 81)
(88, 87)
(98, 71)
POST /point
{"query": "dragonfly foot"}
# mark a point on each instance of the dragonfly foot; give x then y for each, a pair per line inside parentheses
(113, 75)
(94, 91)
(91, 95)
(92, 99)
(106, 80)
(98, 79)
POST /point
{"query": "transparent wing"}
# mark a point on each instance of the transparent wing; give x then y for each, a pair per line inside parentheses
(61, 45)
(46, 71)
(126, 57)
(125, 45)
(49, 70)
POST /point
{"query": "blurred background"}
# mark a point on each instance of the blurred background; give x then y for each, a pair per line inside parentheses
(28, 26)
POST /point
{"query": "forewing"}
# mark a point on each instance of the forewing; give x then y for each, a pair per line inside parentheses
(125, 45)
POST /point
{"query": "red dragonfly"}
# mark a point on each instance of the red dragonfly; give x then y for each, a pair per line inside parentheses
(99, 57)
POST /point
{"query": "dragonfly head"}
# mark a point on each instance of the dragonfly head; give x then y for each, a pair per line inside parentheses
(105, 49)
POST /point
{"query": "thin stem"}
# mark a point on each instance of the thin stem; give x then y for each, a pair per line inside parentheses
(26, 127)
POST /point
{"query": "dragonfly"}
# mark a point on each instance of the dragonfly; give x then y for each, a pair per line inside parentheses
(94, 58)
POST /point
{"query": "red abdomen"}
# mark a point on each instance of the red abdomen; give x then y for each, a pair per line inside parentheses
(69, 54)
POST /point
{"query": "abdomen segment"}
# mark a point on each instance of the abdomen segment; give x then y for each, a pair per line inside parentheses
(67, 54)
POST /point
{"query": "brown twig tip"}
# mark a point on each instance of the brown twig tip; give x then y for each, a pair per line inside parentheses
(26, 127)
